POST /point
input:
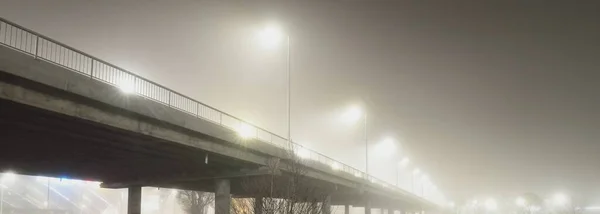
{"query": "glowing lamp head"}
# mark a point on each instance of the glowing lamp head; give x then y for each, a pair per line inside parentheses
(352, 115)
(303, 153)
(521, 202)
(561, 199)
(246, 131)
(416, 171)
(271, 36)
(404, 162)
(491, 204)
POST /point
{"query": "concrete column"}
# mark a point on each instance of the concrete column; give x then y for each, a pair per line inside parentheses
(327, 205)
(222, 196)
(346, 209)
(368, 207)
(134, 200)
(258, 205)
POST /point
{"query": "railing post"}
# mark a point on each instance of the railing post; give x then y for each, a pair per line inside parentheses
(169, 103)
(92, 69)
(197, 109)
(220, 118)
(37, 41)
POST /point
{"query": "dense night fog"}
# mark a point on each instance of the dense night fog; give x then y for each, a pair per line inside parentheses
(489, 99)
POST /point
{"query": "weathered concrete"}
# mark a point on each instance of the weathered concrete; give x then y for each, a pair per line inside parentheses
(368, 207)
(346, 209)
(134, 200)
(222, 196)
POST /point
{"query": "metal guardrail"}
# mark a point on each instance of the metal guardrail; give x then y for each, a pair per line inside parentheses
(49, 50)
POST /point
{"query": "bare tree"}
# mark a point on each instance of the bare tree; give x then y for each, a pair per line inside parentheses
(194, 202)
(288, 192)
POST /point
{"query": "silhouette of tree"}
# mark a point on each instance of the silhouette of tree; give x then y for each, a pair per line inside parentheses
(194, 202)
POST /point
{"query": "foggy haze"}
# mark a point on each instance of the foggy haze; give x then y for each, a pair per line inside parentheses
(487, 98)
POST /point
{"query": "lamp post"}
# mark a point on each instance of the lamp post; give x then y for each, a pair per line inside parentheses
(272, 35)
(401, 165)
(353, 114)
(416, 172)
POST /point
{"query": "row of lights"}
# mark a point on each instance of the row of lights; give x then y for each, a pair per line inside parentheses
(490, 204)
(387, 146)
(270, 36)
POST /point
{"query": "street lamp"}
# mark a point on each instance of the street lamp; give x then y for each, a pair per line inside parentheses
(404, 162)
(491, 205)
(401, 165)
(416, 172)
(521, 202)
(424, 180)
(353, 114)
(560, 199)
(271, 36)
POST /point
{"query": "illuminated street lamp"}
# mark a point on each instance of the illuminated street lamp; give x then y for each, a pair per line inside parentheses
(415, 172)
(491, 205)
(401, 165)
(521, 202)
(560, 199)
(246, 131)
(271, 36)
(353, 114)
(404, 162)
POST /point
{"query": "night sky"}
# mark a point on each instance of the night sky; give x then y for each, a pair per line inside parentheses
(490, 98)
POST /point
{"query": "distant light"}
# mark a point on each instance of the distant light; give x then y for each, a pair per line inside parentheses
(560, 199)
(303, 153)
(416, 171)
(271, 36)
(491, 204)
(45, 203)
(387, 147)
(521, 201)
(8, 177)
(246, 131)
(404, 162)
(335, 166)
(353, 114)
(127, 85)
(451, 204)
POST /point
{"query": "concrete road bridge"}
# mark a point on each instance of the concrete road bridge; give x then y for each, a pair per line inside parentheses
(63, 111)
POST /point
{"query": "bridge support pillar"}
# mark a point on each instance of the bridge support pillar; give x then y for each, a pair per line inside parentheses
(258, 205)
(222, 196)
(346, 209)
(327, 205)
(368, 207)
(134, 200)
